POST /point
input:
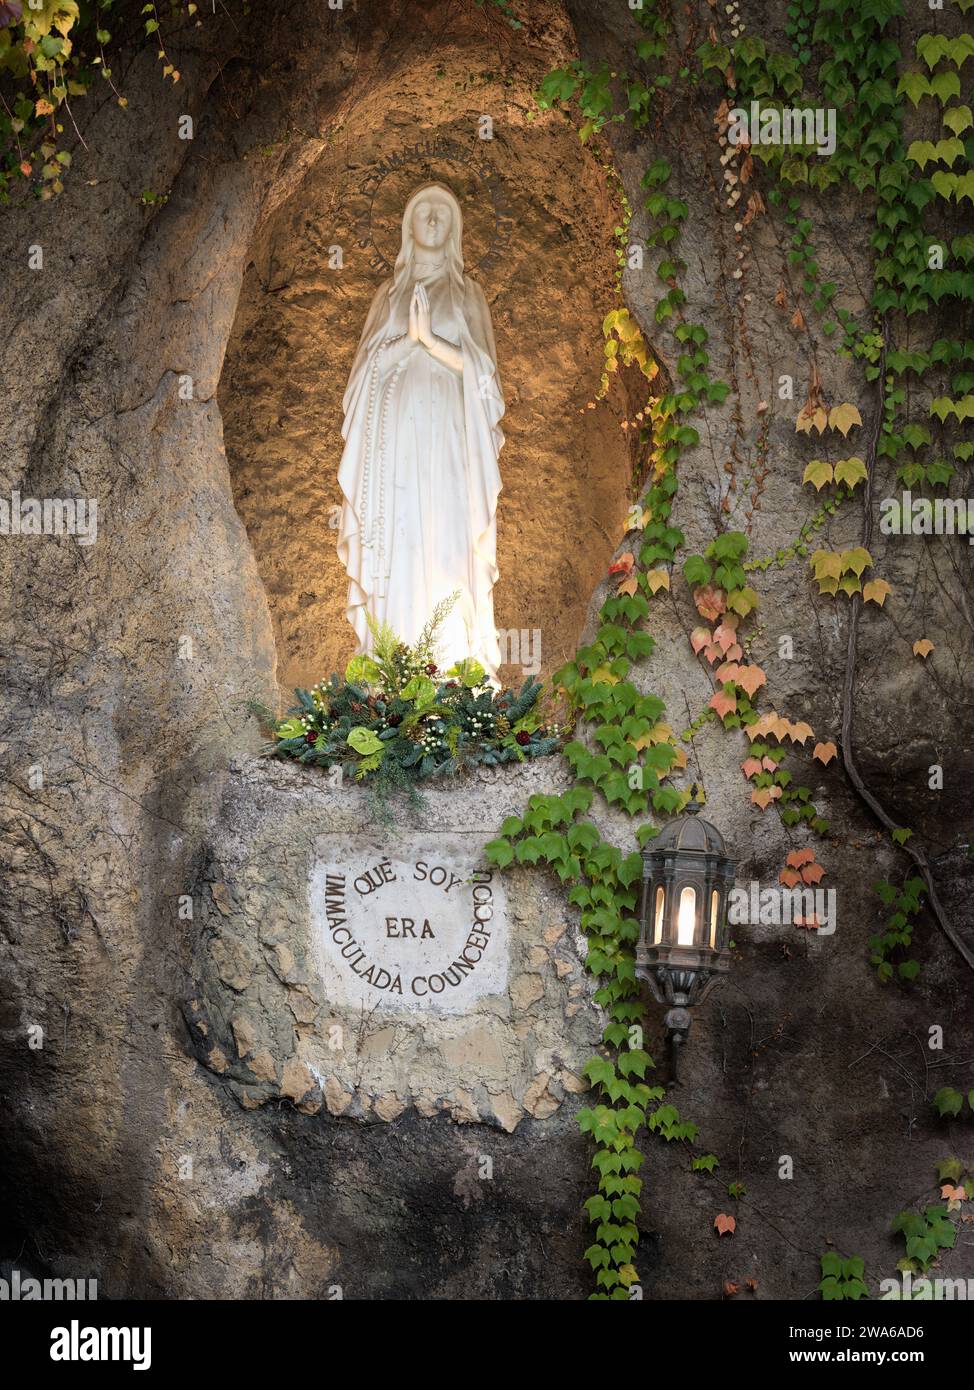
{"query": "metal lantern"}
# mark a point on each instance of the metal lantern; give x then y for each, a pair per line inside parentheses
(682, 949)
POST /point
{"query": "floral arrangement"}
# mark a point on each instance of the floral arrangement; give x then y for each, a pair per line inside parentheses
(396, 718)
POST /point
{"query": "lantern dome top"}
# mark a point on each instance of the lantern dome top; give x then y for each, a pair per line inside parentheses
(689, 832)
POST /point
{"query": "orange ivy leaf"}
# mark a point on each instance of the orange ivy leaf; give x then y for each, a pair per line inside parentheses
(730, 671)
(700, 638)
(825, 752)
(798, 733)
(628, 586)
(876, 591)
(751, 679)
(798, 857)
(710, 601)
(658, 579)
(812, 873)
(725, 1225)
(769, 764)
(751, 767)
(923, 647)
(808, 418)
(624, 563)
(789, 877)
(725, 634)
(811, 923)
(763, 796)
(723, 703)
(755, 206)
(843, 417)
(660, 733)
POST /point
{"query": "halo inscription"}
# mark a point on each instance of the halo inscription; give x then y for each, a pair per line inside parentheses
(422, 926)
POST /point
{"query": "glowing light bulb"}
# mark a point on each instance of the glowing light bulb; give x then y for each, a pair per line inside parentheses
(687, 918)
(658, 932)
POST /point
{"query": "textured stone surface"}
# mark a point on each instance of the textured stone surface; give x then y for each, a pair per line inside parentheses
(801, 1053)
(488, 1054)
(126, 676)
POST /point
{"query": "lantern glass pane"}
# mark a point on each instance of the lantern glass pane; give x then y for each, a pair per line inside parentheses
(713, 919)
(658, 928)
(687, 917)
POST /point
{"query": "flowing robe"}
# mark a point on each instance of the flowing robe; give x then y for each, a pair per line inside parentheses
(419, 474)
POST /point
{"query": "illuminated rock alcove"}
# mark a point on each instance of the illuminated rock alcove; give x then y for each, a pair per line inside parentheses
(538, 225)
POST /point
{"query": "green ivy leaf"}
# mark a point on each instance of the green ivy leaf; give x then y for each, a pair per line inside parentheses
(948, 1101)
(705, 1164)
(499, 852)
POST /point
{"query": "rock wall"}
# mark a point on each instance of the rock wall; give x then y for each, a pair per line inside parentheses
(327, 945)
(129, 1151)
(802, 1054)
(127, 685)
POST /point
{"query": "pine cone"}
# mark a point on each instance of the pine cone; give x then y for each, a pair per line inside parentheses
(503, 726)
(414, 733)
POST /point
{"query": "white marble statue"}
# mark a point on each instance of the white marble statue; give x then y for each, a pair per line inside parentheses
(419, 473)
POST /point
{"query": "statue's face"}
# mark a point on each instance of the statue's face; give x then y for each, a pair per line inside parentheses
(432, 219)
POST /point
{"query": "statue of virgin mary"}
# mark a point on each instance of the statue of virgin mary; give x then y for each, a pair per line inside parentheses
(419, 473)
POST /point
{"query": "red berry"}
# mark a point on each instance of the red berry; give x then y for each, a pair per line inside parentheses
(523, 737)
(311, 736)
(431, 668)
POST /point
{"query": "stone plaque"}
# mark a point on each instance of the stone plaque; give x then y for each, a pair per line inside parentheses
(417, 923)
